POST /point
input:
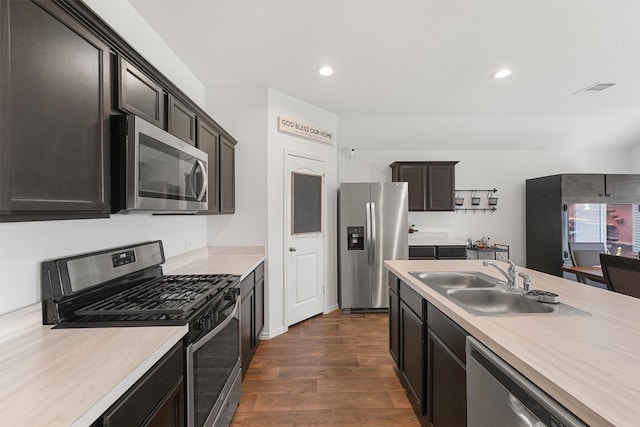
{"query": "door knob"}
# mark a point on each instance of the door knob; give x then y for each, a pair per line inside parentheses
(292, 249)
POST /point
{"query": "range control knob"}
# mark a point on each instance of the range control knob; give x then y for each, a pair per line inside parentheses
(204, 322)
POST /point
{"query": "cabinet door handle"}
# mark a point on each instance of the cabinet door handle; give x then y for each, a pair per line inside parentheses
(293, 249)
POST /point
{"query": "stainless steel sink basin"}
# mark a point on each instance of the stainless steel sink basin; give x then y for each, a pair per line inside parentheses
(497, 301)
(457, 279)
(483, 295)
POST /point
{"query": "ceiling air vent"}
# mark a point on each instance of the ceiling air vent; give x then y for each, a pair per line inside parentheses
(595, 88)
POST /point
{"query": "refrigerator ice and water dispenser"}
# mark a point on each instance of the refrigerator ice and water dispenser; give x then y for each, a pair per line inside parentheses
(355, 238)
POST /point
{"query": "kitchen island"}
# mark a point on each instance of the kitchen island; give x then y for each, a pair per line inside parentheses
(70, 377)
(591, 365)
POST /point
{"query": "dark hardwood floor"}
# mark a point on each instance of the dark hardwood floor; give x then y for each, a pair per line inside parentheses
(330, 370)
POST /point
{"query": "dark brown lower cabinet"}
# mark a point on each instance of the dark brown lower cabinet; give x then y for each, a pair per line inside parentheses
(251, 314)
(412, 350)
(394, 319)
(407, 340)
(258, 291)
(438, 252)
(247, 310)
(446, 371)
(171, 412)
(156, 400)
(429, 350)
(447, 406)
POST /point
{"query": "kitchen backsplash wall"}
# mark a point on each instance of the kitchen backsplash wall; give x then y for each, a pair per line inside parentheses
(24, 245)
(507, 171)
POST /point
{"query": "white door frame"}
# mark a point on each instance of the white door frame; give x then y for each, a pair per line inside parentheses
(286, 226)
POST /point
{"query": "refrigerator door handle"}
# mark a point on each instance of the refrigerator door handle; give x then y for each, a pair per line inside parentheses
(373, 235)
(368, 233)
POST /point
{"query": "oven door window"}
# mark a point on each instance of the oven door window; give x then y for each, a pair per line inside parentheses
(168, 173)
(213, 364)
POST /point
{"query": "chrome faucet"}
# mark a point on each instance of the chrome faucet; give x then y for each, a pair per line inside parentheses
(526, 282)
(510, 274)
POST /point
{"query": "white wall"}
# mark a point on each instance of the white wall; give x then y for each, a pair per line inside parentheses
(24, 245)
(242, 111)
(504, 170)
(634, 160)
(127, 22)
(281, 104)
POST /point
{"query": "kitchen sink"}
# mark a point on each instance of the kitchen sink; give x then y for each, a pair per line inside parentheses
(483, 295)
(497, 301)
(457, 279)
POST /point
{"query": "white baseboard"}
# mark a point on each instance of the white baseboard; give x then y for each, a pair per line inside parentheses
(330, 309)
(268, 335)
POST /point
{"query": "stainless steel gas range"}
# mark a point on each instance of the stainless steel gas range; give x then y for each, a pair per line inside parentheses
(125, 286)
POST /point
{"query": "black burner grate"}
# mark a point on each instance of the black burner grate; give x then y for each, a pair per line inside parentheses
(166, 295)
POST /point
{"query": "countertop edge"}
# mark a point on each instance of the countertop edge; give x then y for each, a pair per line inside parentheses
(118, 391)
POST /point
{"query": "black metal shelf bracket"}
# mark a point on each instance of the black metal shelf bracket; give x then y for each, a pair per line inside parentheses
(477, 191)
(491, 209)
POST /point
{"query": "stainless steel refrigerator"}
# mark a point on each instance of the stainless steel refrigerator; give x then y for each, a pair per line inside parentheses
(372, 227)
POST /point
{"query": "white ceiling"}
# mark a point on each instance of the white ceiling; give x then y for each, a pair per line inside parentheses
(415, 74)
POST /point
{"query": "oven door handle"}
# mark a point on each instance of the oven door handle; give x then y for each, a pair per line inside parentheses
(202, 341)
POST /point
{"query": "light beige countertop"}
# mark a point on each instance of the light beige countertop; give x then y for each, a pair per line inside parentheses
(69, 377)
(240, 260)
(591, 365)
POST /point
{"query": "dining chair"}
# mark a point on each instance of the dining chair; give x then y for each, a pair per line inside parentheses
(586, 254)
(621, 274)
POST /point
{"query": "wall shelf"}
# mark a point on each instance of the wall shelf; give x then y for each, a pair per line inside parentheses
(475, 201)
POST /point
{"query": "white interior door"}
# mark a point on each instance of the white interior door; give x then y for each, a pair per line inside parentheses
(304, 237)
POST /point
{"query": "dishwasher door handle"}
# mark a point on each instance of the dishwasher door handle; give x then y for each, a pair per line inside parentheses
(527, 417)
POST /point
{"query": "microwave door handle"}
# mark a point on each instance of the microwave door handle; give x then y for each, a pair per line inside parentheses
(205, 180)
(192, 180)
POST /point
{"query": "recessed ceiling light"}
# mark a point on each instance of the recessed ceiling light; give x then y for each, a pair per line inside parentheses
(501, 74)
(325, 71)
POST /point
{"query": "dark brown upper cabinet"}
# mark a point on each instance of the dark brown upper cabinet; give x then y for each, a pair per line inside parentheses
(209, 142)
(600, 188)
(139, 94)
(182, 121)
(431, 184)
(221, 150)
(55, 103)
(63, 72)
(227, 175)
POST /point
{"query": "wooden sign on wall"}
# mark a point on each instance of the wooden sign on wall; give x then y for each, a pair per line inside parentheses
(294, 127)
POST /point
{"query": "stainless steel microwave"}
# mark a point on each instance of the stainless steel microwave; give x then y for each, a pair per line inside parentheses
(154, 171)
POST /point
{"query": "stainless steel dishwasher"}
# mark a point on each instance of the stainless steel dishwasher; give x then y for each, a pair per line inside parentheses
(498, 395)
